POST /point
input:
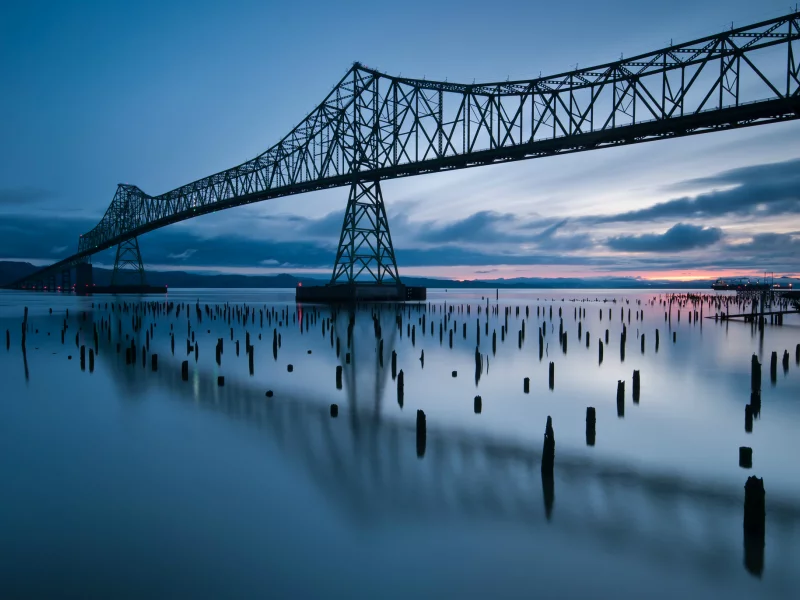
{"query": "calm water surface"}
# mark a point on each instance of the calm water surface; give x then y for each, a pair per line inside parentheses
(125, 482)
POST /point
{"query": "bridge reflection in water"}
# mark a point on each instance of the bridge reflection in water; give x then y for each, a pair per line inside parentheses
(366, 466)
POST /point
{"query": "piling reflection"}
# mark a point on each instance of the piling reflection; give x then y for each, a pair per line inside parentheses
(365, 468)
(380, 469)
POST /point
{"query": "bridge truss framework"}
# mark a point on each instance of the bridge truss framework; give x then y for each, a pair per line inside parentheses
(373, 127)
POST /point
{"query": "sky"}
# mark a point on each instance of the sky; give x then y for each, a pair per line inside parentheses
(159, 94)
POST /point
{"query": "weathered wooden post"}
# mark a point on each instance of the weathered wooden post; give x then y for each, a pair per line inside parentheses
(422, 433)
(400, 388)
(773, 367)
(745, 457)
(526, 385)
(754, 522)
(755, 374)
(636, 381)
(339, 377)
(552, 375)
(591, 420)
(185, 370)
(477, 405)
(620, 399)
(549, 449)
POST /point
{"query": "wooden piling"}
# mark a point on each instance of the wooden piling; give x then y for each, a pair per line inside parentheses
(591, 420)
(400, 388)
(754, 506)
(745, 457)
(755, 374)
(773, 367)
(549, 449)
(422, 433)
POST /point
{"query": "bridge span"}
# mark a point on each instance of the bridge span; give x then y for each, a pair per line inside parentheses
(373, 126)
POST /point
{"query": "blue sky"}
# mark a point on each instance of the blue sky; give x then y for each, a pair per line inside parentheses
(161, 93)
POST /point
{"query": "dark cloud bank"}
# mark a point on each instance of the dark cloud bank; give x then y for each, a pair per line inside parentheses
(482, 239)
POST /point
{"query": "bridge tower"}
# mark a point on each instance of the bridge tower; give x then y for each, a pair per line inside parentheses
(365, 267)
(365, 244)
(128, 261)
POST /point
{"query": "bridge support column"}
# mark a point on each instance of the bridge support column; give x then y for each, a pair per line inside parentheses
(66, 280)
(83, 278)
(128, 264)
(365, 245)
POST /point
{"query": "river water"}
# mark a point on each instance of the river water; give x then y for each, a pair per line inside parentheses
(121, 481)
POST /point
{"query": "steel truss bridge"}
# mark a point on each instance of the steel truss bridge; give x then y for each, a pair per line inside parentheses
(372, 127)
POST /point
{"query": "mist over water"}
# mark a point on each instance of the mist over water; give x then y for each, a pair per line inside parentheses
(122, 481)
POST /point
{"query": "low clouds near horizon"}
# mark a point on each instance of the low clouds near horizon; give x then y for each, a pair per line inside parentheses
(721, 227)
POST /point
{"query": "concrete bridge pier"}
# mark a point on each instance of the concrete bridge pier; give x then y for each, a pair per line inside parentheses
(83, 278)
(66, 280)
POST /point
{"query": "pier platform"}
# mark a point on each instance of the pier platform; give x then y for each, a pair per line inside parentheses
(367, 292)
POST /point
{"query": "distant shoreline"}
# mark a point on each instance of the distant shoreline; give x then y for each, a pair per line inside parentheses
(13, 270)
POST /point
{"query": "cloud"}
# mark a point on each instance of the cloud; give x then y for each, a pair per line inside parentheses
(31, 236)
(775, 243)
(678, 238)
(21, 197)
(486, 227)
(188, 253)
(550, 238)
(480, 227)
(486, 239)
(760, 190)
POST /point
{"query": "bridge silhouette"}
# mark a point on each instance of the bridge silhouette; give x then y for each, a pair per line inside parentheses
(373, 127)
